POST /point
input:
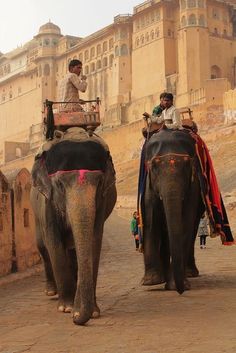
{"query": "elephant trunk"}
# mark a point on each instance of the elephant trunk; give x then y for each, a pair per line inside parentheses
(173, 212)
(81, 215)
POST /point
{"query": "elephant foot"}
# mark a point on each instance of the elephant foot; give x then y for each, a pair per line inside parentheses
(152, 278)
(51, 289)
(65, 308)
(50, 293)
(192, 272)
(170, 285)
(96, 312)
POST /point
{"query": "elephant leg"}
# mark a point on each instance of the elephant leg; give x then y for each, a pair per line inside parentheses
(61, 265)
(152, 245)
(51, 288)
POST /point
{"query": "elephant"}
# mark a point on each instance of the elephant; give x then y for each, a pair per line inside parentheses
(172, 206)
(72, 195)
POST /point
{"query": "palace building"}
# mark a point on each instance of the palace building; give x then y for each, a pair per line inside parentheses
(187, 47)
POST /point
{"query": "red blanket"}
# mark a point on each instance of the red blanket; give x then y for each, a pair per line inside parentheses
(212, 197)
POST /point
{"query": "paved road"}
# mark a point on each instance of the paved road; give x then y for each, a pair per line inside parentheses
(134, 318)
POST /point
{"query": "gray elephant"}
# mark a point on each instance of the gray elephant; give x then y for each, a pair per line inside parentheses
(73, 194)
(172, 206)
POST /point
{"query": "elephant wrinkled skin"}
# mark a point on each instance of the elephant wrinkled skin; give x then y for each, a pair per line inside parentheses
(73, 193)
(172, 207)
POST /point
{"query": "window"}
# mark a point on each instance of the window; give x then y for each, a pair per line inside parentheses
(215, 72)
(98, 49)
(111, 43)
(192, 20)
(46, 70)
(117, 51)
(99, 65)
(81, 57)
(124, 50)
(26, 217)
(111, 58)
(191, 3)
(92, 67)
(142, 39)
(46, 42)
(201, 3)
(147, 37)
(183, 21)
(92, 52)
(86, 70)
(104, 62)
(183, 4)
(201, 20)
(104, 46)
(152, 34)
(86, 55)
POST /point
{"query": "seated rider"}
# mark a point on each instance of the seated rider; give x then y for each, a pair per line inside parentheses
(170, 115)
(70, 87)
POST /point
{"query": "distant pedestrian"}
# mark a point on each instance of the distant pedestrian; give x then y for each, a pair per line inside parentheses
(203, 231)
(134, 230)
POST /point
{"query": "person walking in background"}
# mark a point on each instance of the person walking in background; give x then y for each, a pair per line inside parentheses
(134, 230)
(203, 231)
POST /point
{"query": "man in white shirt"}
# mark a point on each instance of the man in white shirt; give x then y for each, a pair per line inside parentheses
(70, 87)
(170, 115)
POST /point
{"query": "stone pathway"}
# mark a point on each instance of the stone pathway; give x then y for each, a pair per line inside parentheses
(134, 318)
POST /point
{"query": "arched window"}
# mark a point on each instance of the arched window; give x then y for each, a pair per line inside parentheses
(215, 72)
(124, 50)
(158, 15)
(147, 37)
(152, 35)
(111, 43)
(46, 70)
(111, 58)
(92, 52)
(98, 49)
(201, 21)
(183, 21)
(81, 56)
(86, 55)
(86, 70)
(216, 31)
(104, 46)
(99, 65)
(183, 4)
(40, 70)
(117, 51)
(46, 42)
(92, 67)
(157, 32)
(192, 20)
(137, 42)
(192, 3)
(104, 62)
(200, 3)
(142, 39)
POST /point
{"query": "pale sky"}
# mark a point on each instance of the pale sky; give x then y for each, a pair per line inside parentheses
(20, 19)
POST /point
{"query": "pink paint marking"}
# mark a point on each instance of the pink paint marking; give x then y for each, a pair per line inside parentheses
(81, 173)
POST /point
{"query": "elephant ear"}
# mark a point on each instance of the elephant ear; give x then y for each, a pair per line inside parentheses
(40, 178)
